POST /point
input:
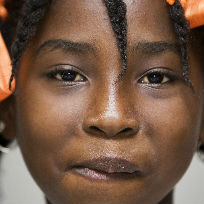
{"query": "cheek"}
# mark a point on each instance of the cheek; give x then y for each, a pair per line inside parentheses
(175, 128)
(45, 123)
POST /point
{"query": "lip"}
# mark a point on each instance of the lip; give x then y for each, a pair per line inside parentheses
(105, 168)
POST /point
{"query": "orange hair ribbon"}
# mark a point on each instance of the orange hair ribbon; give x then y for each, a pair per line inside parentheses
(194, 11)
(5, 61)
(3, 11)
(5, 71)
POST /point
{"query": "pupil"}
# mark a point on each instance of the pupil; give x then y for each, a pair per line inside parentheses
(68, 75)
(155, 78)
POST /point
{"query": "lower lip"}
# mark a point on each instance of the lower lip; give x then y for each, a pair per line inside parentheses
(97, 175)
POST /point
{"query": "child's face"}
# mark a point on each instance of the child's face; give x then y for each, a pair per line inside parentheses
(60, 125)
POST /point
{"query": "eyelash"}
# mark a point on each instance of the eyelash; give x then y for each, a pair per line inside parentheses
(166, 77)
(60, 73)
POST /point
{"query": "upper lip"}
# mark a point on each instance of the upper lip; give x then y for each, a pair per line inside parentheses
(109, 165)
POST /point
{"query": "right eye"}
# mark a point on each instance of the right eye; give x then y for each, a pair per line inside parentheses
(66, 75)
(156, 78)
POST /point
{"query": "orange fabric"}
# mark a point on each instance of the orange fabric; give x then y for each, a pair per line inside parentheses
(171, 2)
(3, 11)
(194, 11)
(5, 71)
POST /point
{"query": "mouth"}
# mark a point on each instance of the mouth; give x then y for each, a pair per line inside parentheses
(107, 169)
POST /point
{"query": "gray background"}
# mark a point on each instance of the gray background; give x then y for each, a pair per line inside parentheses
(17, 186)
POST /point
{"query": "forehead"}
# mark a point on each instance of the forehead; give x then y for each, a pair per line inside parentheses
(88, 20)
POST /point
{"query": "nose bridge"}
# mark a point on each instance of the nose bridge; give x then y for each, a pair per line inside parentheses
(112, 103)
(109, 103)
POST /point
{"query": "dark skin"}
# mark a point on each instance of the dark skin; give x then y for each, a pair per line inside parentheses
(156, 127)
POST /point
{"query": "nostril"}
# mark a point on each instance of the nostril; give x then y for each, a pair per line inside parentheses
(126, 130)
(96, 129)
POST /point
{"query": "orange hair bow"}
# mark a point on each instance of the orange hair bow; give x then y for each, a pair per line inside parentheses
(5, 71)
(5, 62)
(3, 11)
(194, 11)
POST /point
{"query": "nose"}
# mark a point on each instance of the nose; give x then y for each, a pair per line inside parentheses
(110, 127)
(110, 115)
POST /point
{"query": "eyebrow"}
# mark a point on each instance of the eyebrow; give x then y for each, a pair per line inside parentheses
(147, 47)
(67, 46)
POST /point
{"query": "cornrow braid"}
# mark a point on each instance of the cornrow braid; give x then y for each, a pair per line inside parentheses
(182, 30)
(117, 13)
(32, 12)
(9, 25)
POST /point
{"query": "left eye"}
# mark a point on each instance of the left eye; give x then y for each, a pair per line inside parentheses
(71, 76)
(66, 76)
(156, 78)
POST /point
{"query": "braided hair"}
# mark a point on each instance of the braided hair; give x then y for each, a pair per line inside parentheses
(7, 29)
(117, 14)
(8, 26)
(181, 27)
(34, 10)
